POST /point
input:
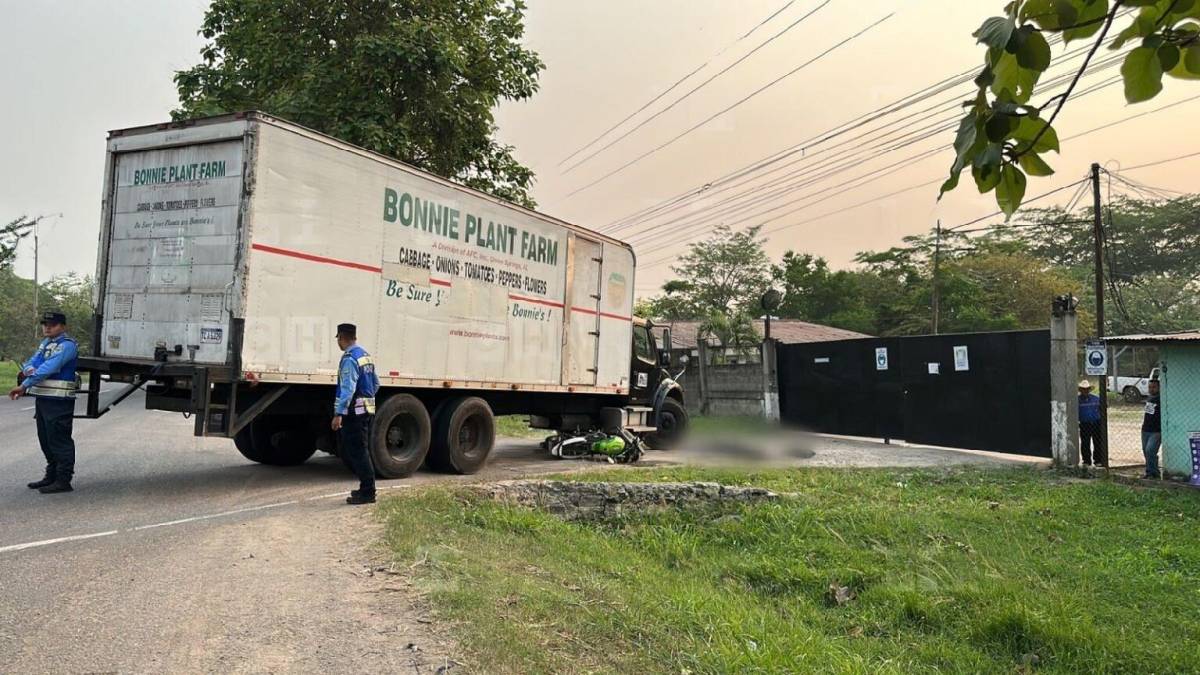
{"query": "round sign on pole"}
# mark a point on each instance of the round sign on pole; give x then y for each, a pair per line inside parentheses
(1096, 359)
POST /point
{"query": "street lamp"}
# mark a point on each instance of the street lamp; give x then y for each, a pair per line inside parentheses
(771, 300)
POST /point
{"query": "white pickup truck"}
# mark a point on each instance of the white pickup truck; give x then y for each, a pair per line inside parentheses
(1132, 389)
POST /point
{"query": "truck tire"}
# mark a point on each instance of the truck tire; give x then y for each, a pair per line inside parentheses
(399, 439)
(672, 425)
(276, 440)
(1131, 395)
(463, 435)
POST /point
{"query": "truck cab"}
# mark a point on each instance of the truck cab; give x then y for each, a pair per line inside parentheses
(653, 386)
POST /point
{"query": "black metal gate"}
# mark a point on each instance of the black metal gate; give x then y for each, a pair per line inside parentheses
(982, 391)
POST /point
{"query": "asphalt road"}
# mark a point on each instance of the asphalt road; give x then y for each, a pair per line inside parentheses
(175, 553)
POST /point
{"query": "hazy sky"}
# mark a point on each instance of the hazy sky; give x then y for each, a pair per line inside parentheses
(74, 70)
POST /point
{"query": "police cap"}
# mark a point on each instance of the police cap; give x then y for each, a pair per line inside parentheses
(347, 330)
(54, 318)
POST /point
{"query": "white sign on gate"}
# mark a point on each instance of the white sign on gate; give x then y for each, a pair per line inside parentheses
(962, 361)
(881, 358)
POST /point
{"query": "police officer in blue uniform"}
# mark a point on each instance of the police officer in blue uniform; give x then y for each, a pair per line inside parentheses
(49, 376)
(353, 410)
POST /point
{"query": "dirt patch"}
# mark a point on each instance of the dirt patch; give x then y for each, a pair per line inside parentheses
(305, 591)
(583, 500)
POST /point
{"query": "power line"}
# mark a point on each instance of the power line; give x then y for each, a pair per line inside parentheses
(1161, 162)
(830, 170)
(867, 118)
(740, 102)
(683, 98)
(863, 120)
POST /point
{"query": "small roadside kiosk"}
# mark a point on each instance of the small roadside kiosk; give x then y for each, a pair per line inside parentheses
(1179, 358)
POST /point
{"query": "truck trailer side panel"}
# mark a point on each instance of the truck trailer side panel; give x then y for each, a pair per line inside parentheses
(447, 287)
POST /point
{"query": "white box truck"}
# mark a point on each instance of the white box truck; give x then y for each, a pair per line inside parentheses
(232, 246)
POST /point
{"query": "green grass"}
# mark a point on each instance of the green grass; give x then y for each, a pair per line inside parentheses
(728, 425)
(952, 571)
(517, 426)
(8, 375)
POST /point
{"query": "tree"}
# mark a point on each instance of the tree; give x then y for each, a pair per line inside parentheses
(1153, 258)
(1003, 136)
(726, 273)
(412, 79)
(812, 292)
(11, 235)
(70, 293)
(734, 331)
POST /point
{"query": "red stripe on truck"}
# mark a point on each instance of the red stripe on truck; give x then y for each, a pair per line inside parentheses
(547, 303)
(316, 258)
(588, 310)
(437, 282)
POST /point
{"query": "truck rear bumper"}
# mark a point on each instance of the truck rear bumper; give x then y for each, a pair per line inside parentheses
(175, 387)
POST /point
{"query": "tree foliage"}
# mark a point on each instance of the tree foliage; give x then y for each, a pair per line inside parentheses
(725, 274)
(412, 79)
(71, 294)
(1152, 266)
(11, 235)
(1004, 135)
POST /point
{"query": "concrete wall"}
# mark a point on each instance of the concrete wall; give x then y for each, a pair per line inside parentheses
(1181, 405)
(733, 389)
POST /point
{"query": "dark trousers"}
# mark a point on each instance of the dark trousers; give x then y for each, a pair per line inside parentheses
(1091, 435)
(55, 419)
(353, 441)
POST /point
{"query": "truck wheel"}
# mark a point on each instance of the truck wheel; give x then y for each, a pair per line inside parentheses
(672, 425)
(399, 436)
(1131, 395)
(463, 435)
(276, 440)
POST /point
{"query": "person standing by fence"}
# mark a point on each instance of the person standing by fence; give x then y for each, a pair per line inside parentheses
(1091, 435)
(1152, 430)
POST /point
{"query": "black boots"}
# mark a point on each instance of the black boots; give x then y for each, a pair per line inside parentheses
(358, 497)
(56, 486)
(48, 480)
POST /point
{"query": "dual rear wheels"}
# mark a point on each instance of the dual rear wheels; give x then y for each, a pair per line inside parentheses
(457, 438)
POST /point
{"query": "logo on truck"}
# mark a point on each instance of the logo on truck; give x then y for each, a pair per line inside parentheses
(448, 222)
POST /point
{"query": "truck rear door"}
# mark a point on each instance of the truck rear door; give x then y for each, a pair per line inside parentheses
(172, 252)
(583, 332)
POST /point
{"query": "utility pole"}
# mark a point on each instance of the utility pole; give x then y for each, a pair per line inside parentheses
(937, 259)
(1098, 236)
(37, 317)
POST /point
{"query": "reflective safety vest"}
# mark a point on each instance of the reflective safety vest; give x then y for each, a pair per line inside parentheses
(50, 372)
(357, 383)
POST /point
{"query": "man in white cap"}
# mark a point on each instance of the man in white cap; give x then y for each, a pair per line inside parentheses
(1091, 432)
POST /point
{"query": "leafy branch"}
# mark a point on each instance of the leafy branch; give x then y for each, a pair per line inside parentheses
(1003, 137)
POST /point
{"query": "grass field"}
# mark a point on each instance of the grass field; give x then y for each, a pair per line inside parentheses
(517, 426)
(963, 571)
(8, 375)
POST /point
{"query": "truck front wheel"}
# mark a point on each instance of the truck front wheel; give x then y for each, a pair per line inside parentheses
(400, 436)
(1132, 395)
(276, 440)
(672, 424)
(463, 435)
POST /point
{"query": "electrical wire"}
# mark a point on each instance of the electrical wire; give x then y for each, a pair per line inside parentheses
(951, 121)
(686, 96)
(846, 163)
(726, 110)
(846, 127)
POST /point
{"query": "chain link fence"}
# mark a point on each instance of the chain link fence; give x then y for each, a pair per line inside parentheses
(1153, 403)
(1116, 441)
